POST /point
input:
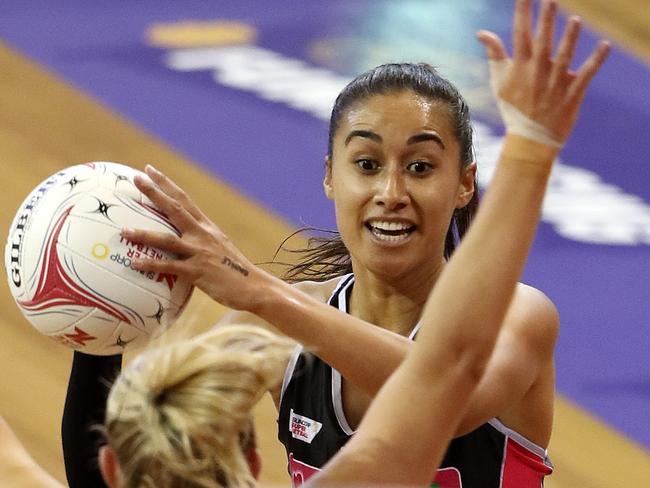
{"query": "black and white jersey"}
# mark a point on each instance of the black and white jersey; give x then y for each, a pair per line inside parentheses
(313, 427)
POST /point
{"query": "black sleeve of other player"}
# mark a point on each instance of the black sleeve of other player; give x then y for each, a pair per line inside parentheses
(85, 406)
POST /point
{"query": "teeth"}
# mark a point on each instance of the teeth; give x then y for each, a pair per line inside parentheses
(389, 237)
(392, 226)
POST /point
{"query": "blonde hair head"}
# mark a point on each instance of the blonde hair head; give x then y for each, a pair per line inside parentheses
(180, 414)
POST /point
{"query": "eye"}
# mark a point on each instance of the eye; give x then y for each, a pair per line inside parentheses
(367, 165)
(419, 167)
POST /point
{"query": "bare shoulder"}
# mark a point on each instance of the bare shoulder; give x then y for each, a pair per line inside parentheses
(527, 296)
(533, 314)
(526, 359)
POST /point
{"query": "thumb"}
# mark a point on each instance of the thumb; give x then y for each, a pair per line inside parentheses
(494, 47)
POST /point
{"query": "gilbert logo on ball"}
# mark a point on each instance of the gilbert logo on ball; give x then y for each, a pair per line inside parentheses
(70, 271)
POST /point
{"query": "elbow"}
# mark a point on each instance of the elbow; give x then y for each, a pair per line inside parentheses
(475, 365)
(471, 358)
(460, 357)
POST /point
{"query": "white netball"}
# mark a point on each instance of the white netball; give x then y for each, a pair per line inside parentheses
(70, 272)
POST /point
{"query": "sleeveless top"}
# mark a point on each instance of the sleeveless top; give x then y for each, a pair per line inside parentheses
(313, 427)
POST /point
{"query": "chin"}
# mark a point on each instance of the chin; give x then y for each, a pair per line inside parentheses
(390, 270)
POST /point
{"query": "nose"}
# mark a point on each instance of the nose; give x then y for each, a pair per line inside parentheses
(392, 192)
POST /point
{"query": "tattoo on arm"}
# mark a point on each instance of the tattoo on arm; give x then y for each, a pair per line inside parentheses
(236, 266)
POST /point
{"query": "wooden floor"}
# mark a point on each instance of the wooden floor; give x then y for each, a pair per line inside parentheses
(45, 125)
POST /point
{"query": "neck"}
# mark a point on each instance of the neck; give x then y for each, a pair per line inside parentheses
(394, 304)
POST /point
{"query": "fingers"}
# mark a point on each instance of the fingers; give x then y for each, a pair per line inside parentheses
(165, 242)
(166, 266)
(494, 47)
(543, 46)
(166, 204)
(498, 59)
(174, 191)
(588, 69)
(567, 46)
(537, 84)
(159, 240)
(522, 29)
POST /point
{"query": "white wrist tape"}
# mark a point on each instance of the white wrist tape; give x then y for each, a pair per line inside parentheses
(515, 121)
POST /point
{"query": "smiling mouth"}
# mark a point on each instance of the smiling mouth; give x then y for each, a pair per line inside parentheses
(390, 231)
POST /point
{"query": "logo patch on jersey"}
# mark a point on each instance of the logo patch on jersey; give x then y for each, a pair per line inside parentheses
(303, 428)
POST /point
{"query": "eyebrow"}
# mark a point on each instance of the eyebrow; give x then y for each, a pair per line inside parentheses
(367, 134)
(422, 137)
(426, 136)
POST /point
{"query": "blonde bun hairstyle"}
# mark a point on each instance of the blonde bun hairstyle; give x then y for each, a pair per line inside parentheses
(180, 414)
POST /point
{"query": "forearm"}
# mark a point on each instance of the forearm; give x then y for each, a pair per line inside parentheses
(474, 291)
(365, 354)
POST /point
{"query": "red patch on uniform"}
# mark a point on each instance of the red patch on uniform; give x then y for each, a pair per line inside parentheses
(300, 472)
(522, 468)
(447, 478)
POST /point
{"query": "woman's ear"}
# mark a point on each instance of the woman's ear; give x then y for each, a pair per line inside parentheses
(327, 180)
(109, 466)
(466, 187)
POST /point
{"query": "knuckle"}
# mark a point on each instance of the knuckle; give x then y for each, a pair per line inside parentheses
(223, 236)
(135, 234)
(176, 206)
(169, 239)
(147, 190)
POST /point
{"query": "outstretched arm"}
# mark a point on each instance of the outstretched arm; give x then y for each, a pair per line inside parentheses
(213, 263)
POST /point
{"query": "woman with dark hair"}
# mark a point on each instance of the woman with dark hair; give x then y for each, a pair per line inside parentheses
(401, 173)
(329, 257)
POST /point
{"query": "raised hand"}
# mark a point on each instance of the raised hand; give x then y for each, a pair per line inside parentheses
(206, 256)
(536, 82)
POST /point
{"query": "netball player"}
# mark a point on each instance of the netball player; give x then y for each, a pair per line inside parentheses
(400, 169)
